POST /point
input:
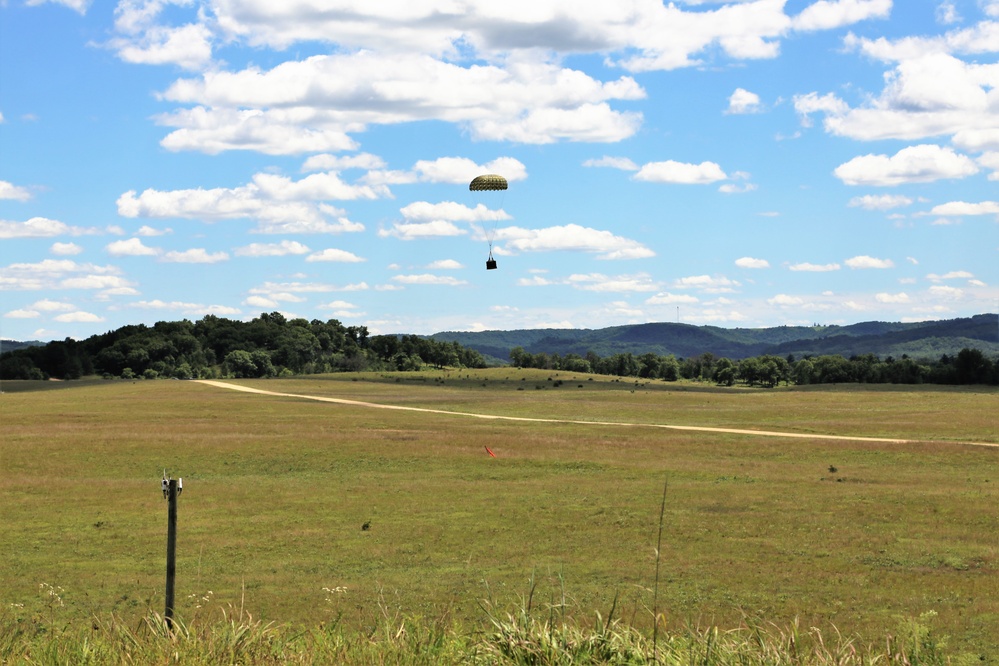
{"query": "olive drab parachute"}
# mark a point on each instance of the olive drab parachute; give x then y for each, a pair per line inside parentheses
(489, 182)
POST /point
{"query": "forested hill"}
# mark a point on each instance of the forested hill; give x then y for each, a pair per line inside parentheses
(924, 340)
(11, 345)
(269, 345)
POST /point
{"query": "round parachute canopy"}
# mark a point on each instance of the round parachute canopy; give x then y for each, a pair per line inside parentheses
(489, 181)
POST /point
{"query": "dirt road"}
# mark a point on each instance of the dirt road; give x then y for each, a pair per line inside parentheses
(493, 417)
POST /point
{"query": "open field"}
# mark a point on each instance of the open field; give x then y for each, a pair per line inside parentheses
(277, 488)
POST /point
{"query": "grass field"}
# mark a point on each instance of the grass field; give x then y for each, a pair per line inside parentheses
(276, 490)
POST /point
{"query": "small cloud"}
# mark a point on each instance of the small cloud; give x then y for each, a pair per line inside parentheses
(680, 173)
(666, 298)
(604, 283)
(944, 291)
(427, 278)
(863, 261)
(147, 231)
(880, 202)
(45, 305)
(952, 275)
(195, 256)
(947, 13)
(784, 300)
(79, 6)
(965, 208)
(157, 304)
(415, 230)
(812, 102)
(742, 101)
(622, 163)
(461, 170)
(78, 317)
(15, 192)
(916, 164)
(65, 249)
(281, 249)
(535, 281)
(332, 254)
(260, 302)
(36, 227)
(117, 291)
(814, 268)
(357, 286)
(750, 262)
(132, 247)
(732, 188)
(22, 314)
(222, 310)
(708, 283)
(444, 264)
(892, 298)
(341, 309)
(327, 162)
(572, 237)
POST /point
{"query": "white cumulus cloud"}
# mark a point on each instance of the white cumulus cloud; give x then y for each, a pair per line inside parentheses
(750, 262)
(784, 300)
(195, 256)
(333, 254)
(814, 268)
(572, 237)
(880, 201)
(429, 279)
(863, 261)
(133, 247)
(915, 164)
(281, 249)
(15, 192)
(622, 163)
(743, 101)
(672, 171)
(965, 208)
(79, 316)
(667, 298)
(65, 249)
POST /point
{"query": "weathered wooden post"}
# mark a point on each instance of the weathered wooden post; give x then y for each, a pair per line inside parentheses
(171, 490)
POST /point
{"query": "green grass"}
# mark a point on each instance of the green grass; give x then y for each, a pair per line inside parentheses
(276, 490)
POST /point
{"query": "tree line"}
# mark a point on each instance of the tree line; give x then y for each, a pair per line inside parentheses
(214, 347)
(969, 366)
(272, 345)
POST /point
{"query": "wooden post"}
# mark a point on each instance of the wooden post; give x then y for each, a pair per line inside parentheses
(171, 564)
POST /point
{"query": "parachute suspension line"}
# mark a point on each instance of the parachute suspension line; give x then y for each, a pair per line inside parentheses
(486, 183)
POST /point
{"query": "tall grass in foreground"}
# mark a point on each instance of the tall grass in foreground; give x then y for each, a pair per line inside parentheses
(540, 637)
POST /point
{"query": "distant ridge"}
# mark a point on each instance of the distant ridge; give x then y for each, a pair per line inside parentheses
(11, 345)
(928, 339)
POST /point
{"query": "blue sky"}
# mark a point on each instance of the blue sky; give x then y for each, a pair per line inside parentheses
(739, 164)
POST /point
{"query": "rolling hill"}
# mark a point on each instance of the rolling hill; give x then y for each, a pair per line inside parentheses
(928, 339)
